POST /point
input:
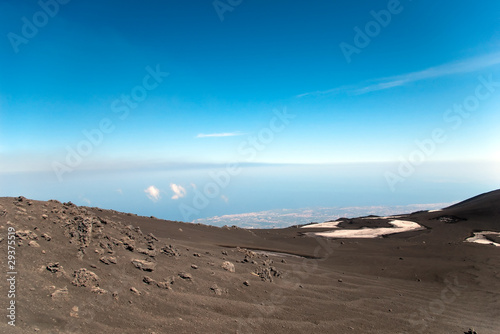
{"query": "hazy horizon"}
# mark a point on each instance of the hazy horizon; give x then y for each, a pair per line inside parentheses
(198, 194)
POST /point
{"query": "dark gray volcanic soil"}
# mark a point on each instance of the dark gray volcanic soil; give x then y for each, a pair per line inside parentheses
(87, 270)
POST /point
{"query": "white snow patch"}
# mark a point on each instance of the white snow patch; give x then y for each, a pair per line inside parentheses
(399, 227)
(323, 225)
(480, 238)
(435, 210)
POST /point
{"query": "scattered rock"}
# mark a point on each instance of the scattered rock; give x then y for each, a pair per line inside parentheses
(147, 252)
(33, 243)
(26, 235)
(151, 235)
(268, 273)
(185, 275)
(148, 280)
(98, 290)
(59, 293)
(55, 268)
(74, 312)
(46, 236)
(246, 283)
(267, 262)
(449, 219)
(80, 229)
(470, 331)
(134, 290)
(108, 260)
(86, 278)
(248, 255)
(194, 266)
(138, 230)
(170, 251)
(163, 285)
(114, 241)
(226, 265)
(144, 264)
(215, 288)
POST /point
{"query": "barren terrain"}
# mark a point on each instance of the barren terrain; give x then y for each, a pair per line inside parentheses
(88, 270)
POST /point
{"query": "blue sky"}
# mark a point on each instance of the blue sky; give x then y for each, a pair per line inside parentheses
(231, 67)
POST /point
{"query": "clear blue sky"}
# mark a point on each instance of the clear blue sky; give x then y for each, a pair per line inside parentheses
(229, 67)
(227, 77)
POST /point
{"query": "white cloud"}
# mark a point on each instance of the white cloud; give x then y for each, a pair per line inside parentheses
(464, 66)
(225, 134)
(153, 193)
(178, 190)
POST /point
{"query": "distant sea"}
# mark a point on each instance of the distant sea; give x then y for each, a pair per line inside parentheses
(281, 218)
(260, 195)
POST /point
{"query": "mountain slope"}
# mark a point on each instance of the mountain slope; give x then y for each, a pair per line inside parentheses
(484, 204)
(84, 270)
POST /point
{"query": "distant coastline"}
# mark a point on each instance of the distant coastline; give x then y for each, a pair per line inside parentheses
(281, 218)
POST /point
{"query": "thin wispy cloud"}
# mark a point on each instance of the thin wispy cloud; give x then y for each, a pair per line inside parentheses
(224, 134)
(332, 91)
(464, 66)
(153, 193)
(178, 190)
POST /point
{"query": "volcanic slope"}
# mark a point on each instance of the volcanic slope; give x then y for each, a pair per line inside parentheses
(83, 270)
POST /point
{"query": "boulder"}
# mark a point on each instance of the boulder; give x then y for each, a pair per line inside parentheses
(86, 278)
(170, 251)
(33, 243)
(108, 260)
(226, 265)
(185, 275)
(144, 265)
(26, 235)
